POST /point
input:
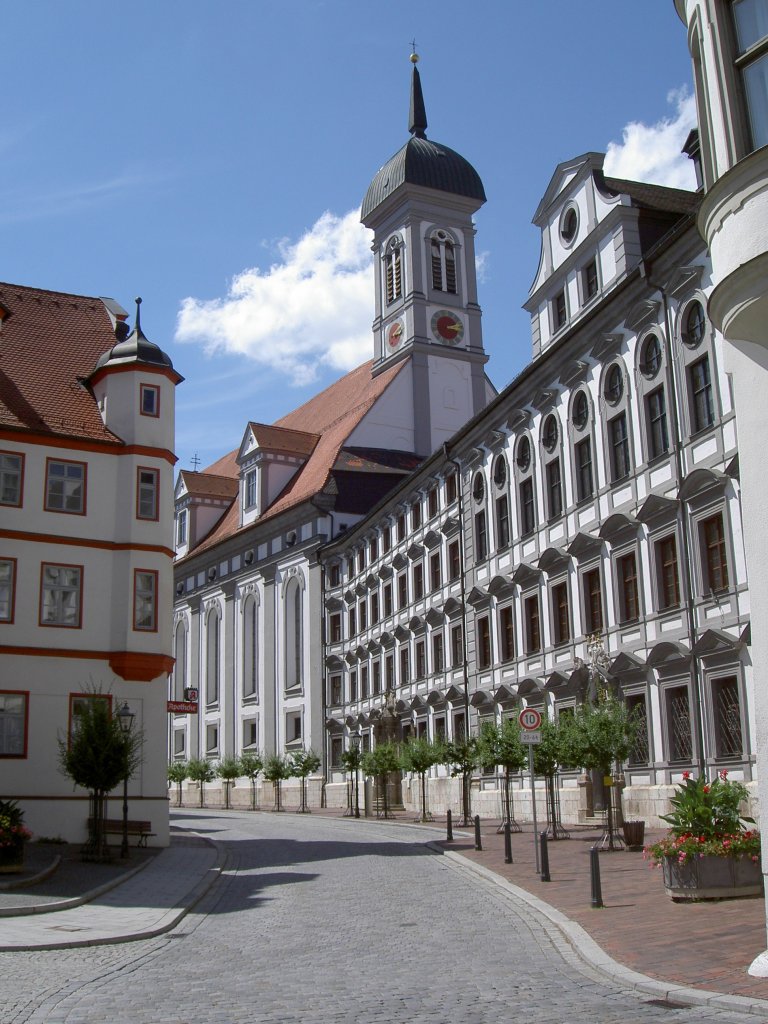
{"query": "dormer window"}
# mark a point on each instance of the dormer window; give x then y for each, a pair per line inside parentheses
(149, 400)
(393, 265)
(443, 255)
(251, 488)
(181, 528)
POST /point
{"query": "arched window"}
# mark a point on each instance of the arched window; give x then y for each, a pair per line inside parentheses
(212, 656)
(294, 640)
(443, 254)
(393, 269)
(250, 646)
(180, 654)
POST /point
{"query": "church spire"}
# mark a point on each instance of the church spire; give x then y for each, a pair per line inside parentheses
(417, 120)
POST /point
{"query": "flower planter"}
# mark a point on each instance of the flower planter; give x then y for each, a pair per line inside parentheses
(12, 859)
(712, 878)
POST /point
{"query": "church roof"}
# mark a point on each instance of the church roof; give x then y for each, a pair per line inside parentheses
(422, 162)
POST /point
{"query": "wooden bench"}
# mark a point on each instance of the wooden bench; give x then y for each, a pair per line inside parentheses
(114, 826)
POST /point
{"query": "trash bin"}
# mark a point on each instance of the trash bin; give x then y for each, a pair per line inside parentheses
(634, 834)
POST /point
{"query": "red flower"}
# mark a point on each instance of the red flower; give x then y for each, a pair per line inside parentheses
(686, 775)
(705, 789)
(724, 774)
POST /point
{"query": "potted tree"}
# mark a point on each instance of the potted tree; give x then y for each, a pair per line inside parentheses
(276, 769)
(302, 763)
(251, 766)
(228, 769)
(500, 745)
(178, 772)
(13, 837)
(709, 852)
(419, 755)
(200, 771)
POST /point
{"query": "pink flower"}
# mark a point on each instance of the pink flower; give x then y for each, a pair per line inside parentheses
(724, 774)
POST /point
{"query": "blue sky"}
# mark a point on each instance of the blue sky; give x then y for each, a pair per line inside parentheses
(212, 156)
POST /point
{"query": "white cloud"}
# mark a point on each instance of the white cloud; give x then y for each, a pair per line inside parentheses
(652, 152)
(311, 308)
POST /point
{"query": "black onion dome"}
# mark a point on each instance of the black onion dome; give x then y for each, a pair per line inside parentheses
(134, 348)
(425, 163)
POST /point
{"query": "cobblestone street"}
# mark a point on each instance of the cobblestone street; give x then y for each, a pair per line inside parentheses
(328, 921)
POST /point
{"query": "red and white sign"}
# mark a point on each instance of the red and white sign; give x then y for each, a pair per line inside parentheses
(530, 719)
(182, 707)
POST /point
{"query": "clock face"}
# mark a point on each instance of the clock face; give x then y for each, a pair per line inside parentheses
(447, 327)
(395, 333)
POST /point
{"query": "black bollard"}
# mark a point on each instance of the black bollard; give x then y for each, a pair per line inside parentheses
(544, 857)
(478, 841)
(448, 827)
(507, 843)
(594, 874)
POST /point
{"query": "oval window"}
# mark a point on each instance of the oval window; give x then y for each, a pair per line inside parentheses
(614, 385)
(569, 225)
(478, 487)
(580, 410)
(695, 325)
(500, 471)
(549, 434)
(524, 454)
(651, 361)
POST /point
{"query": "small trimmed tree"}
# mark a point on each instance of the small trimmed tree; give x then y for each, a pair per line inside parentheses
(419, 755)
(200, 771)
(462, 757)
(500, 746)
(351, 760)
(178, 772)
(276, 769)
(547, 758)
(303, 763)
(228, 769)
(379, 762)
(251, 766)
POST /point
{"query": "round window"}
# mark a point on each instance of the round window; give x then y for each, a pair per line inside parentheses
(500, 471)
(478, 487)
(549, 434)
(694, 325)
(580, 410)
(569, 225)
(524, 454)
(614, 385)
(651, 361)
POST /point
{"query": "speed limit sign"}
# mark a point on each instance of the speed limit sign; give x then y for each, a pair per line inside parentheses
(530, 719)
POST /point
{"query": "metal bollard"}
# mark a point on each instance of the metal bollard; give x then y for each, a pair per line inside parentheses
(507, 843)
(544, 857)
(448, 827)
(594, 874)
(478, 841)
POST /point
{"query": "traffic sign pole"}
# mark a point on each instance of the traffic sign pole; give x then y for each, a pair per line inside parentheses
(533, 801)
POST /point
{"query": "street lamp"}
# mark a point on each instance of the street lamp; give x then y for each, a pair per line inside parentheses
(125, 719)
(356, 740)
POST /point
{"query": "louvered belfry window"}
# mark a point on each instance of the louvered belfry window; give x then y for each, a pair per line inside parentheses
(443, 264)
(394, 269)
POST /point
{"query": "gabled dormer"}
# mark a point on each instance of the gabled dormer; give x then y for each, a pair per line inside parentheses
(268, 458)
(594, 232)
(200, 500)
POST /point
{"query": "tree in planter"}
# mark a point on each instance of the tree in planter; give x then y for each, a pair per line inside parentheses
(302, 763)
(98, 756)
(228, 769)
(201, 771)
(276, 769)
(178, 773)
(251, 765)
(462, 757)
(379, 762)
(599, 736)
(419, 755)
(500, 745)
(350, 761)
(547, 758)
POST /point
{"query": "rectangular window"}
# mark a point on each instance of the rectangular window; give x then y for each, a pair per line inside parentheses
(593, 601)
(352, 621)
(532, 625)
(14, 717)
(149, 401)
(60, 595)
(416, 516)
(402, 591)
(481, 536)
(559, 310)
(386, 539)
(147, 485)
(364, 682)
(727, 717)
(527, 508)
(432, 502)
(502, 522)
(376, 677)
(459, 726)
(751, 19)
(293, 727)
(7, 588)
(679, 733)
(361, 560)
(554, 490)
(438, 659)
(335, 574)
(484, 642)
(337, 749)
(457, 647)
(353, 686)
(212, 739)
(401, 527)
(404, 666)
(668, 578)
(387, 599)
(418, 581)
(336, 693)
(629, 601)
(585, 487)
(373, 549)
(561, 618)
(374, 608)
(78, 703)
(589, 280)
(421, 659)
(658, 436)
(334, 628)
(637, 710)
(701, 394)
(145, 600)
(454, 560)
(181, 528)
(715, 557)
(440, 729)
(507, 633)
(618, 439)
(389, 669)
(179, 743)
(11, 478)
(435, 575)
(362, 615)
(65, 486)
(451, 490)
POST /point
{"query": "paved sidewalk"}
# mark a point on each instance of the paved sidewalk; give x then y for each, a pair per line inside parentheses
(151, 901)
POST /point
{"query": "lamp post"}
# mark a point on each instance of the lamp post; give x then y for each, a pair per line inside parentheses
(125, 718)
(357, 738)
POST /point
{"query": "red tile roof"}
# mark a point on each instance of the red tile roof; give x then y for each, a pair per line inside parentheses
(332, 414)
(280, 439)
(49, 342)
(208, 485)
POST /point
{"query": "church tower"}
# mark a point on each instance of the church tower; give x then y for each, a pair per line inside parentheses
(420, 207)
